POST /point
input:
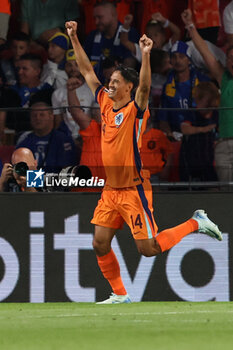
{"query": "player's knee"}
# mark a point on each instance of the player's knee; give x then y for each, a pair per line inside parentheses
(100, 247)
(146, 251)
(148, 247)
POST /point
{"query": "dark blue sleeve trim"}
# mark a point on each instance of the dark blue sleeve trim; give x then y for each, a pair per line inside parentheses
(140, 112)
(97, 91)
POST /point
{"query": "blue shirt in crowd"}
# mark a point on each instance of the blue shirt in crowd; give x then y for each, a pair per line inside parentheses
(178, 95)
(52, 152)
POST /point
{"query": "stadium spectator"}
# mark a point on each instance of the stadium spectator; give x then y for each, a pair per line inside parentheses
(90, 131)
(123, 7)
(105, 40)
(224, 77)
(19, 46)
(29, 78)
(29, 71)
(52, 149)
(160, 67)
(199, 130)
(5, 13)
(206, 17)
(151, 6)
(63, 119)
(198, 60)
(228, 22)
(13, 178)
(156, 153)
(127, 195)
(41, 19)
(177, 91)
(53, 71)
(7, 118)
(155, 30)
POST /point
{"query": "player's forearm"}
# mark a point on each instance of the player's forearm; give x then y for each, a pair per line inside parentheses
(145, 73)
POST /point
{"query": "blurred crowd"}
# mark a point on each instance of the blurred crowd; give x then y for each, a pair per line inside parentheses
(47, 107)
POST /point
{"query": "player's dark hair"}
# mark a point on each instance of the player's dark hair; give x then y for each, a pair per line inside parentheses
(129, 74)
(35, 59)
(111, 61)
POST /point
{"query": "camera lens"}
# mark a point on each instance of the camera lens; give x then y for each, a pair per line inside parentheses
(20, 168)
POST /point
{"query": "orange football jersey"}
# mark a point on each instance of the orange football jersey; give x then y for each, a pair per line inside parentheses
(91, 149)
(155, 149)
(121, 138)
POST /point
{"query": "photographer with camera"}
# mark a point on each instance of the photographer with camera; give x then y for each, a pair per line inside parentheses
(13, 177)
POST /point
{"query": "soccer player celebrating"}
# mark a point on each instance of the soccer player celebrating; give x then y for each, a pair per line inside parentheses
(127, 195)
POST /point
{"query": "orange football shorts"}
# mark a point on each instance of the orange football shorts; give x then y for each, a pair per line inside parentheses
(132, 205)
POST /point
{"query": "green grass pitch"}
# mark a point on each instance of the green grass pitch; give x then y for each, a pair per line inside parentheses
(138, 326)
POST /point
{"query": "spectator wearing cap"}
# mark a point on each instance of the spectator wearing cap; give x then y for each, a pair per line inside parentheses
(62, 96)
(177, 91)
(156, 31)
(52, 149)
(53, 71)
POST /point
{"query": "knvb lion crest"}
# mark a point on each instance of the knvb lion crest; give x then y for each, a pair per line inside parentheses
(119, 118)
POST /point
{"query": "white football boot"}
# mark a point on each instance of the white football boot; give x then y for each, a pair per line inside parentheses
(205, 225)
(116, 299)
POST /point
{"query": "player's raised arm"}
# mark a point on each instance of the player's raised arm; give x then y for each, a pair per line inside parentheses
(143, 90)
(83, 61)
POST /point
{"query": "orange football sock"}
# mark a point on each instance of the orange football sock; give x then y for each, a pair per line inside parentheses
(170, 237)
(110, 269)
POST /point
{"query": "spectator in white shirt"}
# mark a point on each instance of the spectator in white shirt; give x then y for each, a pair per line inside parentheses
(60, 97)
(228, 22)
